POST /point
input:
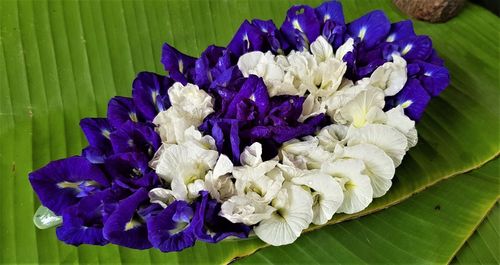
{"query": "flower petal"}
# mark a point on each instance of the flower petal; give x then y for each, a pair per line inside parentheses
(179, 66)
(371, 28)
(149, 92)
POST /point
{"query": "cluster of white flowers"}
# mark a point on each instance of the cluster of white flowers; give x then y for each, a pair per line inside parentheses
(340, 169)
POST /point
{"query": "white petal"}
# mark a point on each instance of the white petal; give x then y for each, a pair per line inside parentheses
(348, 46)
(287, 223)
(332, 135)
(327, 194)
(248, 62)
(241, 209)
(378, 166)
(321, 49)
(397, 119)
(311, 107)
(252, 155)
(358, 192)
(385, 137)
(161, 196)
(365, 108)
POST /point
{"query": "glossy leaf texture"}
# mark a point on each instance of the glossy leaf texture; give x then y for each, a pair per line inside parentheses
(61, 61)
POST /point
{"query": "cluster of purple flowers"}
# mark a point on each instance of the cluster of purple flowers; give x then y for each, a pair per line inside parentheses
(103, 193)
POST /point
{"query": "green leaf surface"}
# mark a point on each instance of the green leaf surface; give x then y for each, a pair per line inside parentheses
(483, 247)
(427, 228)
(61, 61)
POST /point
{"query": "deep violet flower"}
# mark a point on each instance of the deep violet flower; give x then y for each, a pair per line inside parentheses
(62, 183)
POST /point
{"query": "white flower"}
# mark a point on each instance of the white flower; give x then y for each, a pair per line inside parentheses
(390, 77)
(190, 105)
(365, 108)
(321, 49)
(162, 196)
(307, 150)
(242, 209)
(397, 119)
(311, 107)
(184, 167)
(390, 140)
(325, 190)
(294, 214)
(256, 178)
(331, 136)
(218, 181)
(378, 166)
(348, 46)
(270, 68)
(358, 192)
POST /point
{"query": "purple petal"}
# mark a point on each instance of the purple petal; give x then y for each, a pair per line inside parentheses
(247, 38)
(209, 226)
(400, 30)
(434, 78)
(204, 65)
(149, 93)
(83, 222)
(124, 226)
(170, 230)
(371, 28)
(330, 11)
(275, 40)
(135, 137)
(131, 171)
(62, 183)
(179, 66)
(301, 26)
(415, 48)
(435, 59)
(97, 131)
(120, 110)
(414, 98)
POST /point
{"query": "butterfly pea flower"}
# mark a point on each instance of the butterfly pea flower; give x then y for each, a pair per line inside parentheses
(293, 214)
(131, 170)
(333, 23)
(385, 137)
(371, 28)
(378, 166)
(149, 94)
(331, 136)
(433, 78)
(124, 226)
(325, 190)
(209, 226)
(135, 137)
(390, 77)
(172, 229)
(397, 119)
(365, 108)
(219, 181)
(83, 222)
(206, 66)
(301, 27)
(62, 183)
(180, 67)
(413, 98)
(274, 39)
(358, 192)
(190, 105)
(97, 131)
(121, 110)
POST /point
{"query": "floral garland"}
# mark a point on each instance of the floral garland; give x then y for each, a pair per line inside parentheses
(279, 130)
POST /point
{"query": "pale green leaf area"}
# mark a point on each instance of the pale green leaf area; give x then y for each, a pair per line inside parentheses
(61, 61)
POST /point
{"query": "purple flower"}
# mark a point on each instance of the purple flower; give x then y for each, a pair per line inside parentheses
(371, 28)
(149, 94)
(135, 137)
(331, 16)
(248, 38)
(433, 78)
(121, 110)
(301, 26)
(83, 222)
(97, 131)
(179, 66)
(209, 226)
(124, 226)
(206, 66)
(413, 97)
(131, 171)
(62, 183)
(172, 229)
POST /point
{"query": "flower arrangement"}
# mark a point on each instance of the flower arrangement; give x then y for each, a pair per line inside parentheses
(274, 133)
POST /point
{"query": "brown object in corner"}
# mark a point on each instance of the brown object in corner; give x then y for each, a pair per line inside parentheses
(430, 10)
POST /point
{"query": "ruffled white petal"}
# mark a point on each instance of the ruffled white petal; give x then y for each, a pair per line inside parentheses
(358, 192)
(365, 108)
(294, 214)
(397, 119)
(242, 209)
(390, 140)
